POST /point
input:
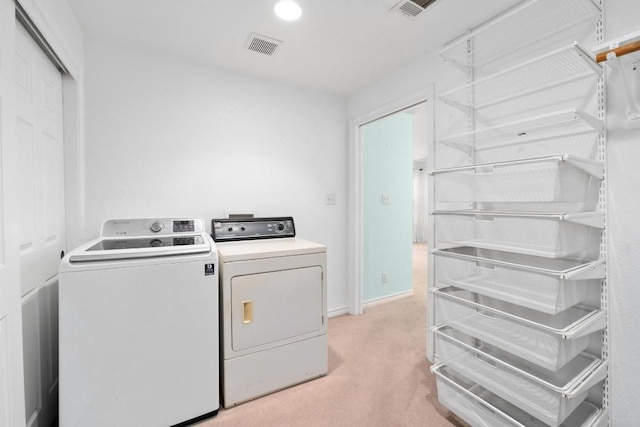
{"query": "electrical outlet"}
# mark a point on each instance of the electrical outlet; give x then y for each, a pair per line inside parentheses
(330, 199)
(384, 277)
(386, 199)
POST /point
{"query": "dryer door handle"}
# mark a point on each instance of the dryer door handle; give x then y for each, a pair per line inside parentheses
(247, 312)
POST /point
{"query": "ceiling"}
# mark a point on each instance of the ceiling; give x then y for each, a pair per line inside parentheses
(337, 46)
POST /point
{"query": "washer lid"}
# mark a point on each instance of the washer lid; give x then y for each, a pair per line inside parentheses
(142, 247)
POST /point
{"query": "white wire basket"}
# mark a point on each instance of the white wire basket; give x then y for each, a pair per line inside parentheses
(548, 396)
(543, 235)
(560, 183)
(542, 284)
(479, 407)
(548, 340)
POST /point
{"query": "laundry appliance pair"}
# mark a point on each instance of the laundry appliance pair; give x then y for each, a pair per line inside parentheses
(157, 318)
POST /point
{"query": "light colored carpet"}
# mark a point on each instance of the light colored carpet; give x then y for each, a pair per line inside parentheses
(378, 374)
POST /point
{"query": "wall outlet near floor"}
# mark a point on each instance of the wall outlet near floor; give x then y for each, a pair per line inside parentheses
(386, 199)
(384, 277)
(330, 199)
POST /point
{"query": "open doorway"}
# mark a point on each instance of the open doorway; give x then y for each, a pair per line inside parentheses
(420, 198)
(394, 205)
(423, 95)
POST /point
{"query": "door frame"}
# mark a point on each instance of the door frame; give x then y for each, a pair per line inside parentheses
(355, 242)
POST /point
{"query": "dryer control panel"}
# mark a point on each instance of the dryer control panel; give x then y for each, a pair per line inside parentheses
(233, 229)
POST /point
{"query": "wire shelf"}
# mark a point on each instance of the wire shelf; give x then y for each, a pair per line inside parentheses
(548, 396)
(553, 125)
(478, 406)
(549, 341)
(533, 234)
(548, 285)
(553, 69)
(592, 167)
(560, 183)
(504, 36)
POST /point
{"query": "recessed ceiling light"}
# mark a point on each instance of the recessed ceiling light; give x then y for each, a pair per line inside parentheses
(288, 10)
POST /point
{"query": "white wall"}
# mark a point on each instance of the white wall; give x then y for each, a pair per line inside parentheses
(168, 138)
(426, 71)
(623, 176)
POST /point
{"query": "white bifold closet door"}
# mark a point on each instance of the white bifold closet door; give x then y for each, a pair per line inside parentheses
(40, 180)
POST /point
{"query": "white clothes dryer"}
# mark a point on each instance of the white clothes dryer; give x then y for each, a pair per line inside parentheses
(139, 326)
(273, 307)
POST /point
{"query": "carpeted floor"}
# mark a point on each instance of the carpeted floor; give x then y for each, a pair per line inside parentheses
(378, 374)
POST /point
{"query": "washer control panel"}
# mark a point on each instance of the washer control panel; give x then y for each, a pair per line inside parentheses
(151, 227)
(230, 229)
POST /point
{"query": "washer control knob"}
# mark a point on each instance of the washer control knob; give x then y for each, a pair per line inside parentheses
(280, 227)
(156, 226)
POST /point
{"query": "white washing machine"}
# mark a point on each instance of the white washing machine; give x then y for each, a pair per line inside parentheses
(273, 307)
(139, 326)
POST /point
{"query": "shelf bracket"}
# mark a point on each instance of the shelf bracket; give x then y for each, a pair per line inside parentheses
(594, 323)
(593, 168)
(597, 375)
(593, 270)
(465, 148)
(464, 108)
(593, 219)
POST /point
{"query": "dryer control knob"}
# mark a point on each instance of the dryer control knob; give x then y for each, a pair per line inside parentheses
(156, 226)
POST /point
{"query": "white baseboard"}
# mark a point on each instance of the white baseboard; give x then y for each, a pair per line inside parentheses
(345, 310)
(338, 312)
(388, 298)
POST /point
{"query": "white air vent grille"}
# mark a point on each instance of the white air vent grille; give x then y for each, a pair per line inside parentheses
(262, 44)
(412, 8)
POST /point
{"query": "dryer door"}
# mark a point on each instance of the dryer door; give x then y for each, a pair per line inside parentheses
(275, 307)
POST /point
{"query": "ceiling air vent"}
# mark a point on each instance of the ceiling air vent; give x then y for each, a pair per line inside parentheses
(263, 44)
(412, 8)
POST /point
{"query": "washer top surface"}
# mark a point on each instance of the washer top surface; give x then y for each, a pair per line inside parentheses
(270, 248)
(145, 239)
